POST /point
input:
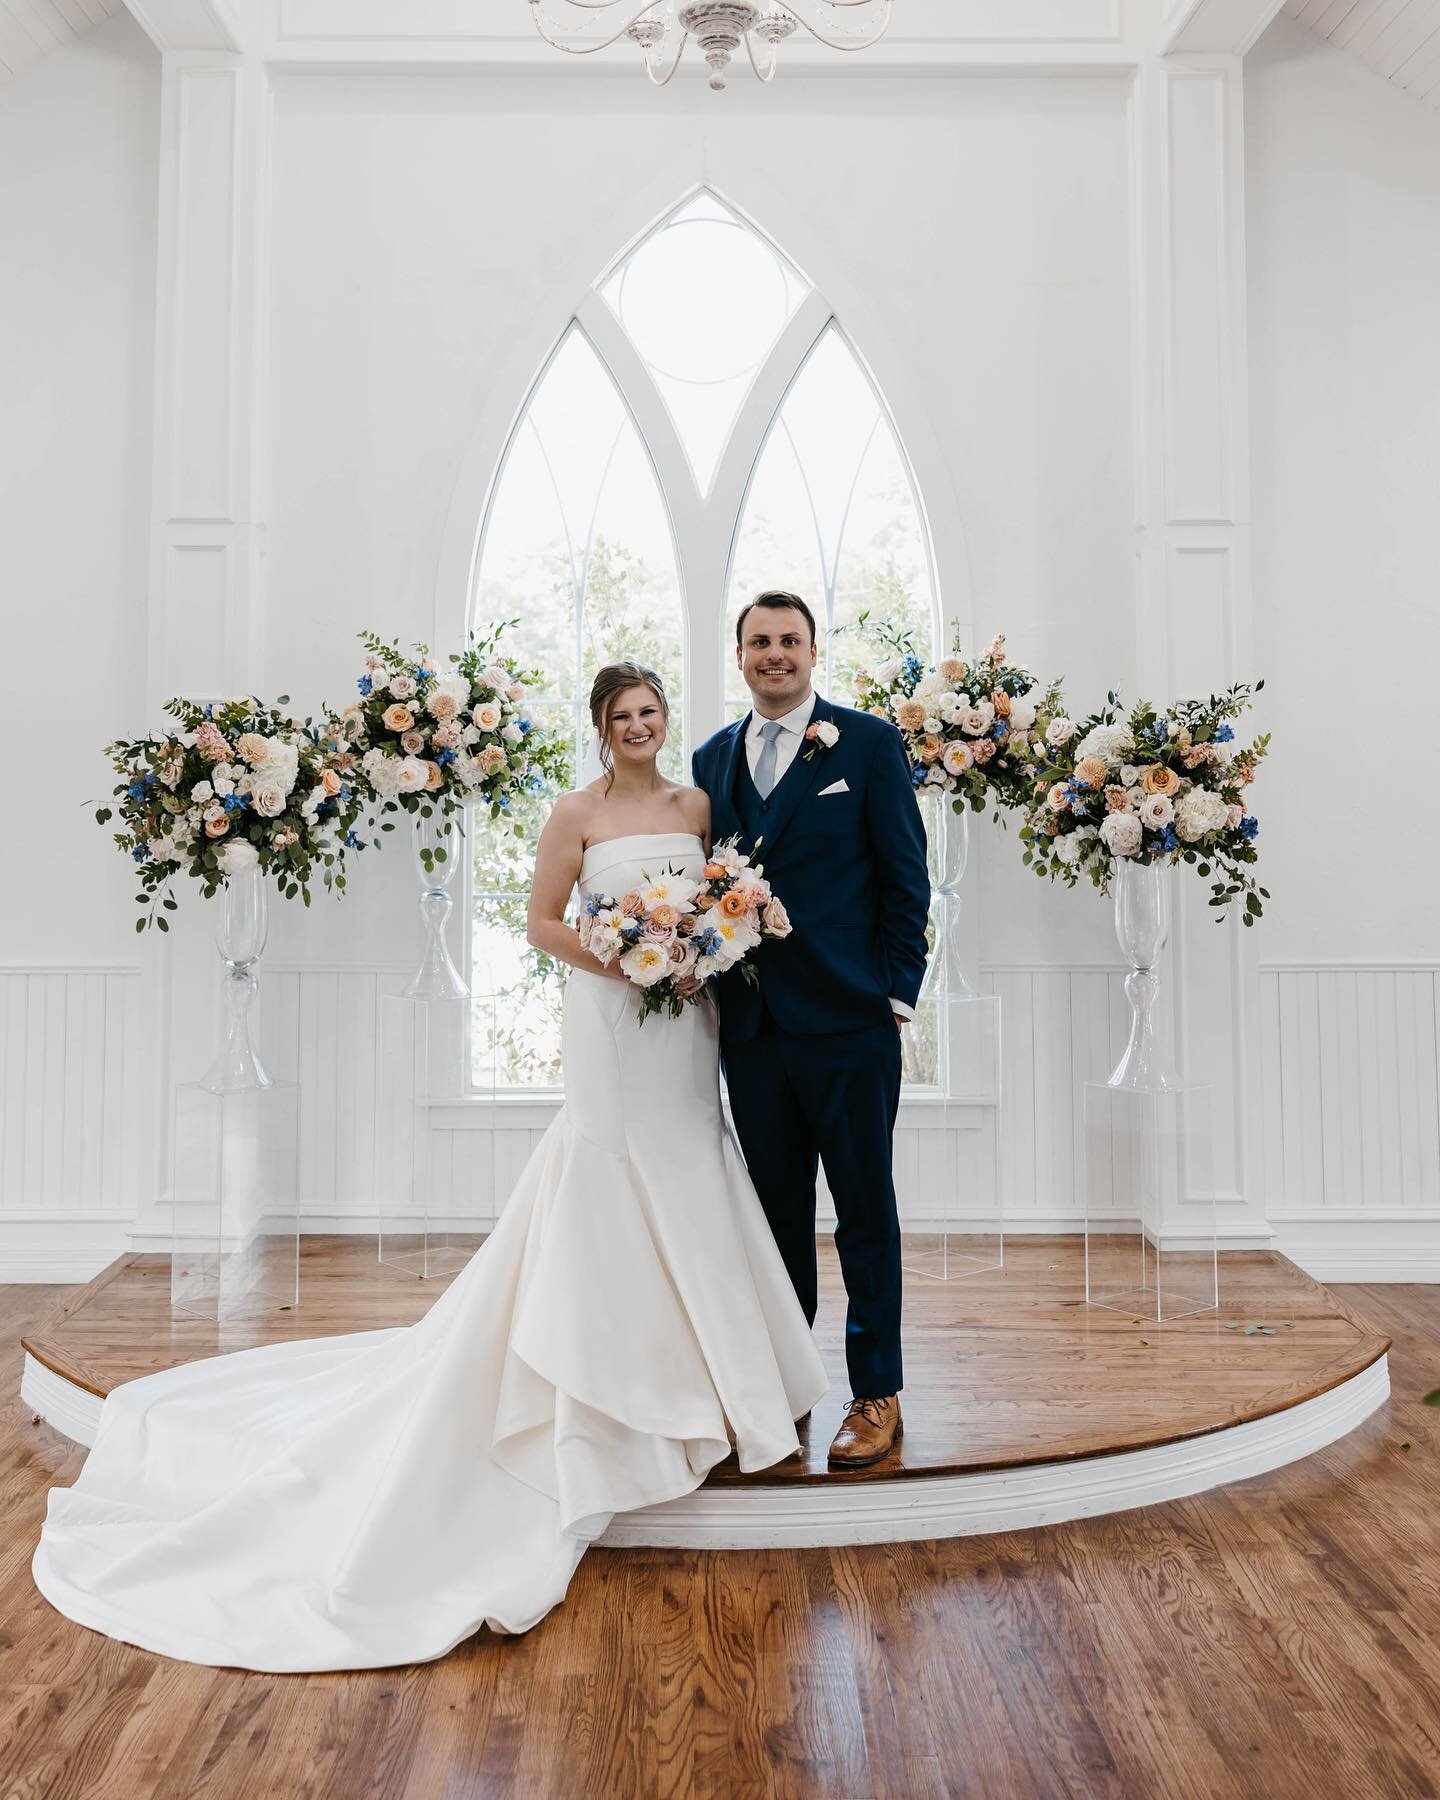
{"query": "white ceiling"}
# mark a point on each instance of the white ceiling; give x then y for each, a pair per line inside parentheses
(1399, 39)
(30, 29)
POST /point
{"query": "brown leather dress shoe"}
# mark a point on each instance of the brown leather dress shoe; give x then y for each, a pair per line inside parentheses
(870, 1431)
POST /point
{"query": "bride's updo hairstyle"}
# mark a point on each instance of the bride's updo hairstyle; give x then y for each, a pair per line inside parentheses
(609, 684)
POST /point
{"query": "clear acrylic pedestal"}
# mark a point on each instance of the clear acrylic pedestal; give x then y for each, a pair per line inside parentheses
(1150, 1246)
(428, 1209)
(960, 1152)
(235, 1244)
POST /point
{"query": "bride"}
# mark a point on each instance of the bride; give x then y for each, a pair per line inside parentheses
(359, 1501)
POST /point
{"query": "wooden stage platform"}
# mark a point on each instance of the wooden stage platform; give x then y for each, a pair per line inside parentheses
(1022, 1404)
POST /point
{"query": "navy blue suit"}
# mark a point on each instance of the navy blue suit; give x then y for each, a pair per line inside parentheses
(812, 1055)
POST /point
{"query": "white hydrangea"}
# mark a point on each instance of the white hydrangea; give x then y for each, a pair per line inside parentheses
(1199, 811)
(382, 772)
(1122, 833)
(237, 857)
(1068, 849)
(933, 683)
(1110, 743)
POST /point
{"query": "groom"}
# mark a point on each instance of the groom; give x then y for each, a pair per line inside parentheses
(812, 1054)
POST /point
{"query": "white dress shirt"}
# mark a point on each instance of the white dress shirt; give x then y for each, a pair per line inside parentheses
(786, 746)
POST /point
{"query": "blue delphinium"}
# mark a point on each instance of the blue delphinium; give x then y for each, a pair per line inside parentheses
(365, 685)
(141, 853)
(1250, 827)
(444, 757)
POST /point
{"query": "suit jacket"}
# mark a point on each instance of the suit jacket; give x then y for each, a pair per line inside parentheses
(849, 867)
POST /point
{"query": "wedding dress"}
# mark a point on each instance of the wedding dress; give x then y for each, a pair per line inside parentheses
(367, 1500)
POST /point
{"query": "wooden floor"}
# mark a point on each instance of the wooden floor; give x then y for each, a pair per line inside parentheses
(1276, 1639)
(1003, 1368)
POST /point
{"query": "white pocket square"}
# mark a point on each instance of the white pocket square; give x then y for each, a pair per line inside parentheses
(836, 787)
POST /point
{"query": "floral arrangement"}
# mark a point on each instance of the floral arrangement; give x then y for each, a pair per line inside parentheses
(672, 935)
(427, 738)
(236, 786)
(1149, 787)
(967, 724)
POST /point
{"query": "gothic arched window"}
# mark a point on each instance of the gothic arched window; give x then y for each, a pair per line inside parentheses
(704, 428)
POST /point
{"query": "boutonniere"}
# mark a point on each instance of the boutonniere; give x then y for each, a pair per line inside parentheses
(822, 735)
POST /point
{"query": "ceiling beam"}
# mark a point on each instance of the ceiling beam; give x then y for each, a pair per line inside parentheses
(1226, 27)
(189, 24)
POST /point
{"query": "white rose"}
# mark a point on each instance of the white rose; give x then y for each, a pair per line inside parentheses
(1068, 848)
(828, 733)
(410, 775)
(496, 677)
(237, 857)
(975, 721)
(1109, 743)
(947, 707)
(201, 792)
(932, 726)
(402, 687)
(1022, 714)
(268, 797)
(1156, 811)
(1058, 731)
(937, 777)
(511, 733)
(471, 734)
(223, 787)
(1200, 811)
(1122, 833)
(888, 671)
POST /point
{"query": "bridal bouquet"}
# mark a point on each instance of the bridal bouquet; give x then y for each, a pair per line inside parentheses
(1168, 787)
(968, 725)
(427, 737)
(672, 935)
(235, 786)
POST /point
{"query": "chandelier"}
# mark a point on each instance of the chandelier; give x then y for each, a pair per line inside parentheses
(662, 28)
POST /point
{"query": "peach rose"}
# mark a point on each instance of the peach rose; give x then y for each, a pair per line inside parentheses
(1057, 798)
(515, 691)
(930, 748)
(910, 715)
(486, 715)
(352, 722)
(434, 776)
(632, 905)
(1091, 771)
(397, 718)
(1001, 703)
(1157, 779)
(330, 781)
(252, 747)
(216, 828)
(733, 904)
(777, 920)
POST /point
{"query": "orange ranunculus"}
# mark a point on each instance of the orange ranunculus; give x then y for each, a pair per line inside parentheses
(664, 914)
(930, 748)
(713, 871)
(733, 904)
(1158, 779)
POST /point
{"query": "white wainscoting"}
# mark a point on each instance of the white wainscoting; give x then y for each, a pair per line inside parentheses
(70, 1098)
(1348, 1104)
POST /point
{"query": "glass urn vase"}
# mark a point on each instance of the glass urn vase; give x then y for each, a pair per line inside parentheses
(1142, 924)
(948, 832)
(240, 937)
(439, 843)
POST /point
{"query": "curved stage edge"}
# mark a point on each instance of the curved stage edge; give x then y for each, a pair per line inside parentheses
(1023, 1406)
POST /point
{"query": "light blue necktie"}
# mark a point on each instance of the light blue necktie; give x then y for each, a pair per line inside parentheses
(765, 768)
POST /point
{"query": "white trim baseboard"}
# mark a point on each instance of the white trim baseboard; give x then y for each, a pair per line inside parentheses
(55, 1248)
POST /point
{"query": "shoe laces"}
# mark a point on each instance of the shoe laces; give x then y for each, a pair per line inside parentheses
(872, 1411)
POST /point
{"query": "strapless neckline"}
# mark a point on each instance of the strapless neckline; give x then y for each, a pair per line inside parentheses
(688, 838)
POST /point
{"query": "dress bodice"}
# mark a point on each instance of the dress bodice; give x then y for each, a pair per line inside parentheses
(617, 864)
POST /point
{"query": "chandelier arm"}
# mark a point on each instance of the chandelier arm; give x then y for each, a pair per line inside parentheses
(762, 74)
(588, 49)
(835, 43)
(669, 74)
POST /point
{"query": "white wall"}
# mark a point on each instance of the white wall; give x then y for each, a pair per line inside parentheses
(1343, 195)
(78, 174)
